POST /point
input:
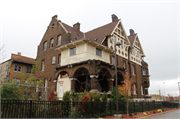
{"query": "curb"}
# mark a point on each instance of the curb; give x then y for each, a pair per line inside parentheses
(154, 115)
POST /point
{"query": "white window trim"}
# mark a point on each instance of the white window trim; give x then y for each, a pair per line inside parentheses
(51, 43)
(43, 65)
(59, 40)
(17, 68)
(53, 59)
(45, 46)
(142, 90)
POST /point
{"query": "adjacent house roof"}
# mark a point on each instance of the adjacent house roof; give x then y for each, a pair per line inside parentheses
(22, 59)
(101, 32)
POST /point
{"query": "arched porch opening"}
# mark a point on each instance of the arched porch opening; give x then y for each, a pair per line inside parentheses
(83, 80)
(103, 77)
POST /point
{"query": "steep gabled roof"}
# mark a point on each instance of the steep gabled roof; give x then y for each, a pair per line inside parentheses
(132, 38)
(74, 33)
(22, 59)
(101, 32)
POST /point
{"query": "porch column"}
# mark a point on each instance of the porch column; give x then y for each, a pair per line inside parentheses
(72, 83)
(93, 83)
(110, 83)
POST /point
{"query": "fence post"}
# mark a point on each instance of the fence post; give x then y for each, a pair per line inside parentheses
(92, 107)
(30, 109)
(134, 107)
(110, 108)
(142, 106)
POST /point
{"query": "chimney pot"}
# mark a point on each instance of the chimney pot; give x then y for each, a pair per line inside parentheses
(114, 17)
(19, 53)
(131, 31)
(77, 26)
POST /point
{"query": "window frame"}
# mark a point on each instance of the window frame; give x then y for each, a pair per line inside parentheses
(18, 66)
(124, 64)
(59, 60)
(144, 71)
(51, 43)
(133, 70)
(134, 89)
(45, 46)
(113, 60)
(18, 81)
(43, 65)
(59, 40)
(28, 70)
(53, 59)
(121, 44)
(98, 52)
(73, 51)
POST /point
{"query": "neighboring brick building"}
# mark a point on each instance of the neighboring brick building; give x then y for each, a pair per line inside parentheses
(14, 67)
(73, 60)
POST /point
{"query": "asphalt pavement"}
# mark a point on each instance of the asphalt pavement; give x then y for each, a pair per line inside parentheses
(175, 114)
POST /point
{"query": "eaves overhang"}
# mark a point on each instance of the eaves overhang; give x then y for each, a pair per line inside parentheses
(85, 40)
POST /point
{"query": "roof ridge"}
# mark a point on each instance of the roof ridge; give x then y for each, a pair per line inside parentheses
(103, 25)
(23, 56)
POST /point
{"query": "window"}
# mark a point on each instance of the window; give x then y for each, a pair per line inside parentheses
(121, 44)
(138, 54)
(53, 59)
(28, 70)
(59, 59)
(17, 68)
(99, 52)
(113, 60)
(133, 52)
(46, 84)
(114, 39)
(144, 71)
(124, 64)
(133, 70)
(51, 43)
(59, 40)
(73, 51)
(45, 46)
(17, 81)
(141, 90)
(7, 67)
(43, 65)
(134, 89)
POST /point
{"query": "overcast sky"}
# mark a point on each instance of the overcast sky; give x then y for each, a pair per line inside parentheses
(23, 24)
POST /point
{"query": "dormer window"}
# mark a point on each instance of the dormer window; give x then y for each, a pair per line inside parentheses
(51, 43)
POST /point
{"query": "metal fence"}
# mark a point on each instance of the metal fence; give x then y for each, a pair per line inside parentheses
(58, 109)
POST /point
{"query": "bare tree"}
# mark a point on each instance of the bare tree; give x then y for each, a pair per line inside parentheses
(2, 55)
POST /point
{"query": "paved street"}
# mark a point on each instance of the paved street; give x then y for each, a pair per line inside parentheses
(169, 115)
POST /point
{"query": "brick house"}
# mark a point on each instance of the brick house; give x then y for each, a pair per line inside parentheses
(12, 68)
(74, 60)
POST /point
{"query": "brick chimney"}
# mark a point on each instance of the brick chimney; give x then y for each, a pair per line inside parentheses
(131, 31)
(77, 26)
(114, 17)
(54, 17)
(19, 53)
